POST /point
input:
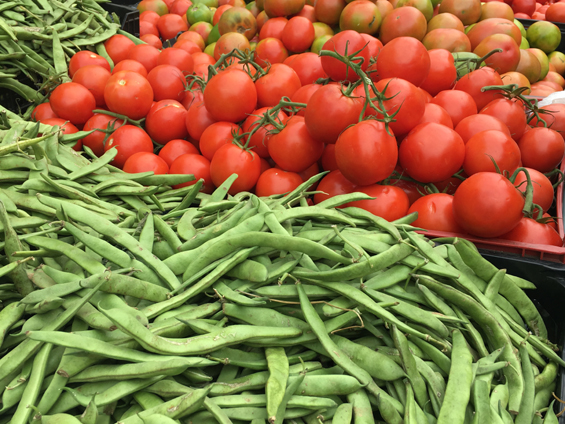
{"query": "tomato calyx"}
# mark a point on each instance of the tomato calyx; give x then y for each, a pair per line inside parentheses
(243, 58)
(465, 64)
(529, 205)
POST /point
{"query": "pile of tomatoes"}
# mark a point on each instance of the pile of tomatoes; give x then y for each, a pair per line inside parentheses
(393, 119)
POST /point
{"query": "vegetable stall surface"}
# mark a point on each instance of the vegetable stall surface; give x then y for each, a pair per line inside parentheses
(125, 300)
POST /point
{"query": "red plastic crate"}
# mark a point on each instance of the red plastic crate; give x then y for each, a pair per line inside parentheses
(535, 251)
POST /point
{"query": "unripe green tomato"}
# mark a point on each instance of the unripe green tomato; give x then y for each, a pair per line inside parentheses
(319, 43)
(199, 13)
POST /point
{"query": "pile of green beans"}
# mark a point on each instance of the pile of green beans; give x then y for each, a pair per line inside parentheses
(125, 300)
(38, 38)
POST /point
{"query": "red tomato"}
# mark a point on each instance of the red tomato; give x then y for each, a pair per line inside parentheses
(198, 119)
(530, 231)
(152, 40)
(511, 112)
(147, 28)
(270, 51)
(332, 185)
(505, 61)
(43, 111)
(149, 16)
(280, 81)
(554, 118)
(66, 127)
(95, 141)
(219, 12)
(403, 22)
(294, 149)
(303, 95)
(328, 160)
(406, 58)
(473, 82)
(215, 136)
(188, 46)
(230, 96)
(374, 45)
(487, 205)
(130, 65)
(170, 25)
(475, 124)
(167, 82)
(457, 103)
(412, 189)
(283, 8)
(276, 181)
(353, 42)
(166, 121)
(541, 149)
(85, 58)
(259, 140)
(175, 148)
(177, 57)
(231, 159)
(94, 78)
(329, 112)
(391, 202)
(543, 189)
(73, 102)
(524, 6)
(196, 165)
(128, 139)
(194, 37)
(469, 11)
(431, 153)
(117, 47)
(486, 146)
(298, 34)
(435, 212)
(128, 93)
(366, 153)
(273, 28)
(329, 11)
(308, 67)
(145, 162)
(437, 114)
(145, 54)
(179, 7)
(442, 75)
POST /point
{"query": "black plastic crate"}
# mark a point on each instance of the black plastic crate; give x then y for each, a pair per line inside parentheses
(528, 22)
(549, 296)
(12, 100)
(128, 15)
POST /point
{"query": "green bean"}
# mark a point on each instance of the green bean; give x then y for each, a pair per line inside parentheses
(493, 286)
(277, 381)
(546, 377)
(343, 414)
(550, 417)
(481, 401)
(543, 397)
(362, 411)
(499, 396)
(527, 410)
(458, 390)
(8, 316)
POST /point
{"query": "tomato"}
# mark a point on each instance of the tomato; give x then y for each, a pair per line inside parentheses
(73, 102)
(374, 45)
(66, 127)
(270, 51)
(303, 95)
(556, 13)
(276, 8)
(117, 47)
(474, 81)
(219, 12)
(231, 159)
(339, 43)
(94, 78)
(178, 58)
(555, 78)
(170, 25)
(332, 185)
(404, 98)
(280, 81)
(446, 20)
(529, 66)
(193, 36)
(310, 172)
(329, 112)
(95, 141)
(442, 74)
(276, 181)
(179, 7)
(447, 38)
(524, 6)
(128, 139)
(196, 165)
(366, 153)
(215, 136)
(487, 205)
(158, 6)
(431, 152)
(542, 149)
(406, 58)
(273, 28)
(85, 58)
(511, 112)
(203, 58)
(148, 16)
(496, 9)
(328, 160)
(329, 11)
(166, 121)
(533, 232)
(403, 22)
(308, 67)
(198, 118)
(230, 96)
(361, 16)
(308, 12)
(175, 148)
(145, 54)
(293, 148)
(167, 82)
(391, 202)
(385, 7)
(505, 61)
(145, 162)
(229, 41)
(543, 60)
(483, 29)
(437, 114)
(412, 189)
(488, 146)
(198, 12)
(435, 212)
(43, 111)
(543, 189)
(130, 65)
(457, 103)
(240, 20)
(202, 28)
(259, 140)
(475, 124)
(298, 34)
(468, 11)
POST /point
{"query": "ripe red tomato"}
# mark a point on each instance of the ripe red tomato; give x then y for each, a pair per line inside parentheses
(406, 58)
(543, 189)
(435, 212)
(167, 82)
(145, 162)
(85, 58)
(231, 159)
(198, 119)
(486, 146)
(73, 102)
(524, 6)
(541, 149)
(530, 231)
(196, 165)
(298, 34)
(273, 28)
(469, 11)
(437, 114)
(259, 140)
(43, 111)
(117, 47)
(403, 22)
(308, 67)
(270, 51)
(282, 8)
(353, 42)
(145, 54)
(390, 202)
(412, 189)
(294, 149)
(442, 74)
(332, 185)
(280, 81)
(366, 153)
(554, 118)
(128, 93)
(94, 78)
(303, 95)
(457, 103)
(475, 124)
(505, 61)
(175, 148)
(230, 96)
(487, 205)
(166, 121)
(130, 65)
(329, 11)
(95, 141)
(66, 127)
(177, 57)
(511, 112)
(474, 81)
(128, 139)
(328, 160)
(215, 136)
(170, 25)
(431, 153)
(276, 181)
